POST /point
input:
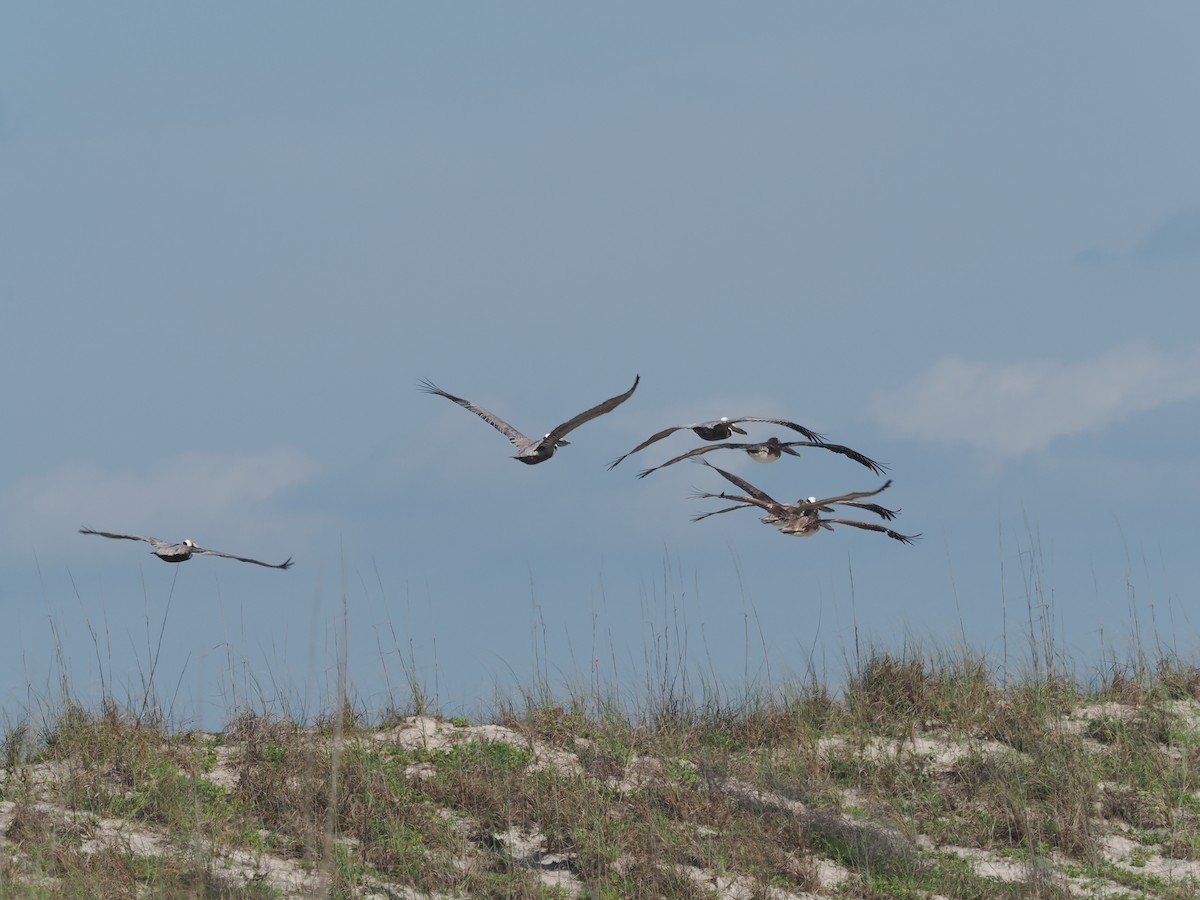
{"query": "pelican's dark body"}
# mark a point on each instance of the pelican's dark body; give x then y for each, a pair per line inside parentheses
(717, 432)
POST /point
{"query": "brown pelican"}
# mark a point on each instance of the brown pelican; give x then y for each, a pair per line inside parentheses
(777, 511)
(785, 510)
(770, 450)
(803, 518)
(717, 430)
(532, 451)
(175, 553)
(809, 524)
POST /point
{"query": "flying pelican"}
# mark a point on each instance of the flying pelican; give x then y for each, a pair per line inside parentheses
(532, 451)
(770, 450)
(718, 430)
(785, 510)
(777, 511)
(808, 524)
(176, 553)
(800, 522)
(803, 518)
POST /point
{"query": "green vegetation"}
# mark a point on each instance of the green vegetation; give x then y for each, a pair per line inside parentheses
(926, 776)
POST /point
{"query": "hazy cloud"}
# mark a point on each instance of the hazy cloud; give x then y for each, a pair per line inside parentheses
(1009, 409)
(201, 493)
(1176, 238)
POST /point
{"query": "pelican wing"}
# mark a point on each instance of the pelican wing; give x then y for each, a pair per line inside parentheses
(746, 501)
(127, 537)
(657, 436)
(882, 511)
(688, 455)
(770, 506)
(808, 433)
(743, 484)
(844, 498)
(871, 526)
(518, 440)
(717, 512)
(587, 415)
(258, 562)
(875, 467)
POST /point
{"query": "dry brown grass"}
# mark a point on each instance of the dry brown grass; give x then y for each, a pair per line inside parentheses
(927, 776)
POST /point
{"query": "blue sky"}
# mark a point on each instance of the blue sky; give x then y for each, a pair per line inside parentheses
(962, 240)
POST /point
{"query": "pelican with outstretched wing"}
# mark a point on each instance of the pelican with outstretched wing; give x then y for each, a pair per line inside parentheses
(770, 450)
(718, 430)
(777, 512)
(529, 450)
(183, 551)
(803, 518)
(808, 524)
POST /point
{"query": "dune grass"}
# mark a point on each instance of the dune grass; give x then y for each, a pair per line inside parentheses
(925, 775)
(927, 772)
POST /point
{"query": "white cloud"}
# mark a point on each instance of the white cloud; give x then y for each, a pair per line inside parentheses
(1010, 409)
(226, 495)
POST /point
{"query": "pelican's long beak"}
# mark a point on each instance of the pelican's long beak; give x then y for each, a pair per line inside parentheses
(789, 451)
(738, 430)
